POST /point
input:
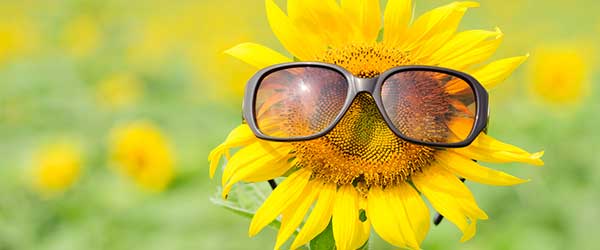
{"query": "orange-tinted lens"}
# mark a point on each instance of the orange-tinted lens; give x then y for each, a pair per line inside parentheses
(299, 101)
(429, 106)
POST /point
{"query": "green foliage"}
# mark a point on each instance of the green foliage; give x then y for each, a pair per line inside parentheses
(323, 241)
(47, 93)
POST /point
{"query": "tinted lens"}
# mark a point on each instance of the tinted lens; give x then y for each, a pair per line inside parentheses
(299, 101)
(430, 106)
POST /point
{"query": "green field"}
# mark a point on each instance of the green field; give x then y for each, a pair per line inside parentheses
(56, 55)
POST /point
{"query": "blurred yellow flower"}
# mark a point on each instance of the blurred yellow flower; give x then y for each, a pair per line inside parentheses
(81, 36)
(142, 153)
(119, 91)
(17, 37)
(56, 167)
(560, 74)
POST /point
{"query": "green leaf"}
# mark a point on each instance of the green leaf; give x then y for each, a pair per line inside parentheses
(380, 35)
(245, 199)
(365, 246)
(241, 211)
(323, 241)
(362, 215)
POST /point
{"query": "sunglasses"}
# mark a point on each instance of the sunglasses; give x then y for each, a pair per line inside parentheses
(425, 105)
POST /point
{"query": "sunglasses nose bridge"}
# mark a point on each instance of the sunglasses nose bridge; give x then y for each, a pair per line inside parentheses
(365, 85)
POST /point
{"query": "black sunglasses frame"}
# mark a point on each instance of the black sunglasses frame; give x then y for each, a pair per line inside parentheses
(373, 87)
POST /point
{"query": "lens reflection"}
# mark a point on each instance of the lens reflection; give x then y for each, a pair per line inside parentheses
(299, 101)
(429, 106)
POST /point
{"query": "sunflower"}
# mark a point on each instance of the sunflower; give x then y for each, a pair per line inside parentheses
(141, 151)
(19, 36)
(556, 82)
(57, 167)
(354, 181)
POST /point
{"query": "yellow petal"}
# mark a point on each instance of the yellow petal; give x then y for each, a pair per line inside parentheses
(469, 231)
(258, 171)
(467, 48)
(487, 155)
(366, 16)
(485, 148)
(389, 218)
(323, 18)
(263, 173)
(294, 214)
(416, 209)
(450, 197)
(472, 171)
(240, 136)
(495, 72)
(345, 215)
(257, 55)
(474, 56)
(255, 155)
(441, 36)
(395, 20)
(286, 193)
(442, 20)
(429, 46)
(363, 229)
(319, 217)
(301, 44)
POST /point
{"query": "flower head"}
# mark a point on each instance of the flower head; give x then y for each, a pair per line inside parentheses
(360, 174)
(18, 33)
(141, 152)
(560, 74)
(56, 167)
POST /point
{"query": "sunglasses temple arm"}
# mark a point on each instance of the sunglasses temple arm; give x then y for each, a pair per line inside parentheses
(273, 184)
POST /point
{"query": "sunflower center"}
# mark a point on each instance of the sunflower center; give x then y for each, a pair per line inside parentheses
(362, 149)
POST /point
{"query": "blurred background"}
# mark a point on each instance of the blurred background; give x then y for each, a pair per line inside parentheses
(108, 110)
